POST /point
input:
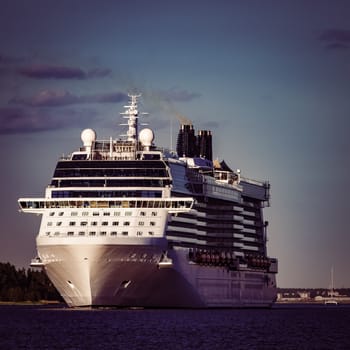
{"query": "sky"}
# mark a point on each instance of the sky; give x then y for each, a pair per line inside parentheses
(271, 79)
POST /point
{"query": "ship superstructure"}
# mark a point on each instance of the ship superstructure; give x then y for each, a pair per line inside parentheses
(127, 224)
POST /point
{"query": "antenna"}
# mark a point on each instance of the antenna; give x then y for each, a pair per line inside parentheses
(131, 113)
(171, 133)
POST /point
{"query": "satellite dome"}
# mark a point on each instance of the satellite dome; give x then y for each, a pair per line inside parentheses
(146, 137)
(88, 136)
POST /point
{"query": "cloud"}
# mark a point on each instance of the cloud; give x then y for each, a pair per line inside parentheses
(56, 98)
(175, 95)
(337, 46)
(98, 73)
(8, 59)
(25, 120)
(335, 39)
(46, 71)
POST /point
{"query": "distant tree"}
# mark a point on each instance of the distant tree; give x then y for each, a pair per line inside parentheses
(22, 285)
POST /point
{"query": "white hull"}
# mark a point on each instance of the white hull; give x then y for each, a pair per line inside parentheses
(130, 276)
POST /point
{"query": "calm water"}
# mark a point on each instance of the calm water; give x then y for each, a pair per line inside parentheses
(297, 327)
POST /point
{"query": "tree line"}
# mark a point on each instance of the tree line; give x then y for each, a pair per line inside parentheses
(18, 285)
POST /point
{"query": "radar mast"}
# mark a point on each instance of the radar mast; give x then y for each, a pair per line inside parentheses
(132, 114)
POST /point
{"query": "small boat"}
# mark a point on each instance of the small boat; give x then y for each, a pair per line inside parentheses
(331, 301)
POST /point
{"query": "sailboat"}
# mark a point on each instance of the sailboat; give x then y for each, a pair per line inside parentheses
(331, 300)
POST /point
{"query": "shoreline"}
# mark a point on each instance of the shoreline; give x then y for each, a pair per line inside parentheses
(29, 302)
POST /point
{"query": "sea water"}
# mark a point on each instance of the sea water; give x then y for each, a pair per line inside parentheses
(282, 327)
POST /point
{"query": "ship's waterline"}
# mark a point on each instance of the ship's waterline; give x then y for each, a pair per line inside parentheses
(129, 275)
(127, 224)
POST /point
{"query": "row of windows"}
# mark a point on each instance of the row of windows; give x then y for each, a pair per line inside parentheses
(138, 172)
(91, 164)
(111, 183)
(106, 213)
(125, 203)
(107, 194)
(103, 223)
(100, 233)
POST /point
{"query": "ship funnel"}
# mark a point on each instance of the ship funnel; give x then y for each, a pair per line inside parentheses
(204, 141)
(186, 141)
(189, 145)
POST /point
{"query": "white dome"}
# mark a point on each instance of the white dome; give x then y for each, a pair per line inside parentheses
(88, 136)
(146, 137)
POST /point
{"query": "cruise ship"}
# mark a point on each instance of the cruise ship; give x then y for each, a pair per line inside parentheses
(128, 224)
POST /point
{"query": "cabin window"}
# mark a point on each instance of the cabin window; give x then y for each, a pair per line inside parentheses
(126, 223)
(59, 223)
(107, 213)
(52, 213)
(113, 233)
(104, 223)
(69, 233)
(74, 213)
(128, 213)
(117, 213)
(72, 223)
(115, 223)
(94, 223)
(92, 233)
(49, 223)
(154, 213)
(141, 223)
(60, 213)
(103, 233)
(152, 223)
(125, 233)
(83, 223)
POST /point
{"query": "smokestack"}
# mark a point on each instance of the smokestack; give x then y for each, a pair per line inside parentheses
(186, 141)
(204, 142)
